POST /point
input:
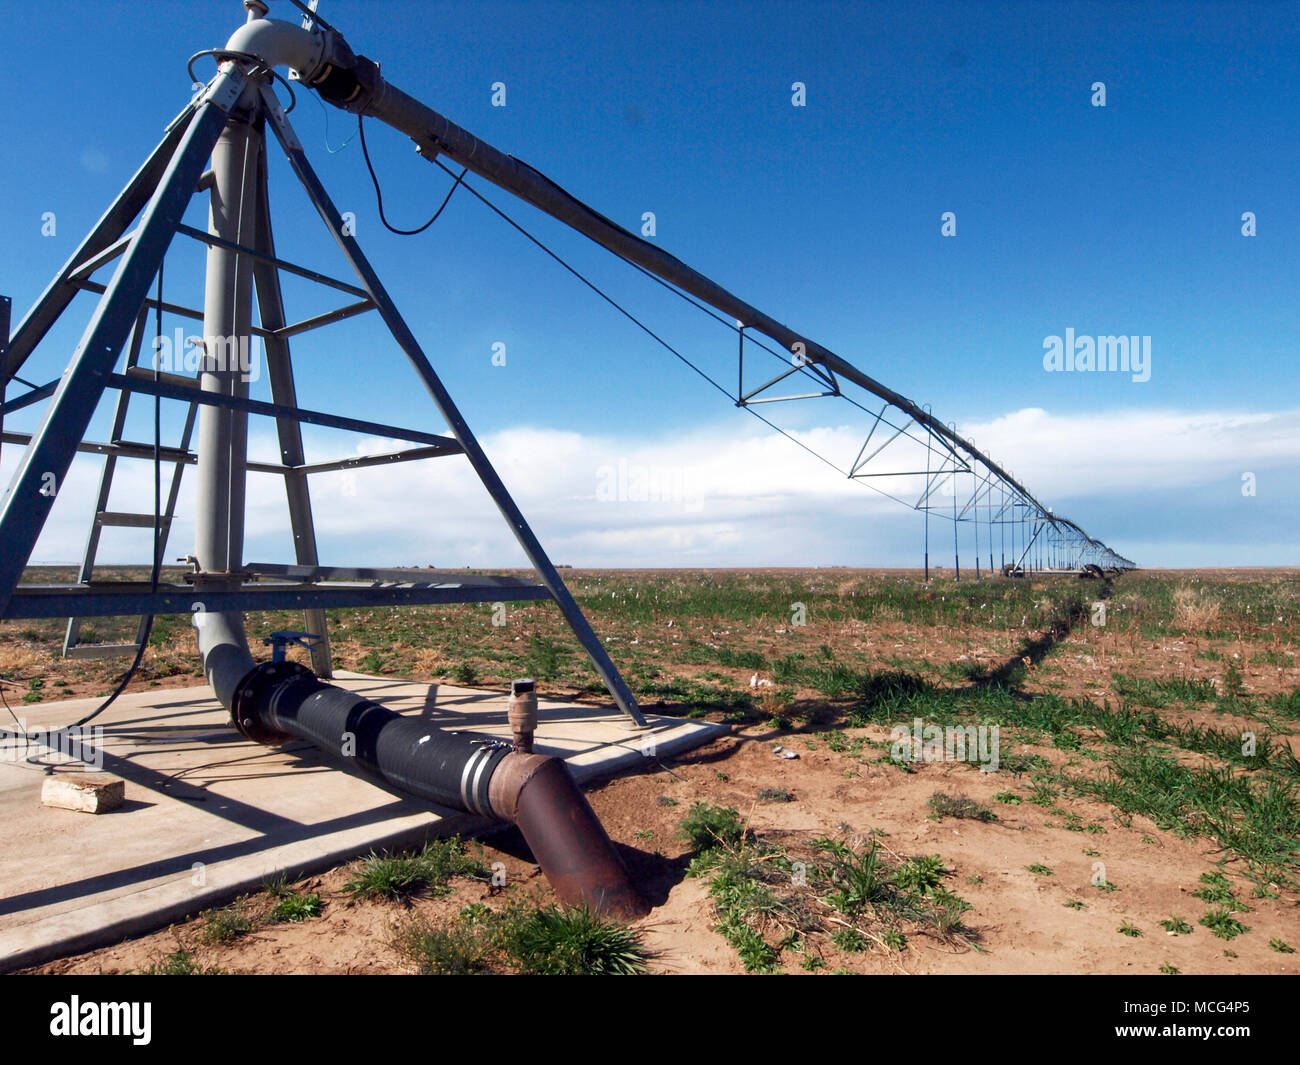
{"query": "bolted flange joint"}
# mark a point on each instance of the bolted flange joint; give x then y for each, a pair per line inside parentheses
(255, 691)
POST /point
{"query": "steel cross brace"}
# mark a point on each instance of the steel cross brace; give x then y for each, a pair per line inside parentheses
(451, 413)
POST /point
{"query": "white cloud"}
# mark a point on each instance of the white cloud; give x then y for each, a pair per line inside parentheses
(717, 496)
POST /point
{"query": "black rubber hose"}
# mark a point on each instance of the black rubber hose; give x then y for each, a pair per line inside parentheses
(400, 753)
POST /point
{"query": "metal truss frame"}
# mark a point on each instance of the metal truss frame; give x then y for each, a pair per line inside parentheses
(158, 196)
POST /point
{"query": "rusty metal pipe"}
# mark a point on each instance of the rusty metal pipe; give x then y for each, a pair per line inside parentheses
(475, 773)
(539, 795)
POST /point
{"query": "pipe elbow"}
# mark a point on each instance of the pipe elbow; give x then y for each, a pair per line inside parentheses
(224, 651)
(280, 43)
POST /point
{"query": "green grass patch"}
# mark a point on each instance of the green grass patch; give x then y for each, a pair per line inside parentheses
(403, 876)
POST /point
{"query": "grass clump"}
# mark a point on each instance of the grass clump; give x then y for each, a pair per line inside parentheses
(775, 795)
(225, 925)
(549, 941)
(453, 949)
(403, 876)
(180, 962)
(707, 827)
(959, 806)
(920, 876)
(849, 940)
(572, 942)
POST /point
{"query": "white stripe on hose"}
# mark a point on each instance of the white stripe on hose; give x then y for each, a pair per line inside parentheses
(465, 782)
(487, 757)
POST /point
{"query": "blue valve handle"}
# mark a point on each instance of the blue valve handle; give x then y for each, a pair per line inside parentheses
(278, 641)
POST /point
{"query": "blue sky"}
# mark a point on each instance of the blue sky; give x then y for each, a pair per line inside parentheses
(1117, 220)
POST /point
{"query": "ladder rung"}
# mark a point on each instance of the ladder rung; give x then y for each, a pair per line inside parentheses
(101, 650)
(130, 521)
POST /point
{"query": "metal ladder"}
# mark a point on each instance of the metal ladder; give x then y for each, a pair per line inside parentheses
(73, 647)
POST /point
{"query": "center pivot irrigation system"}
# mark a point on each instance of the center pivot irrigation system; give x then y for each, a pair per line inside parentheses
(272, 701)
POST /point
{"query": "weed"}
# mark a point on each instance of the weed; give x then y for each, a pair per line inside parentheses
(1215, 888)
(277, 886)
(859, 879)
(296, 908)
(850, 940)
(1221, 922)
(708, 826)
(920, 875)
(543, 657)
(959, 806)
(775, 795)
(451, 949)
(225, 925)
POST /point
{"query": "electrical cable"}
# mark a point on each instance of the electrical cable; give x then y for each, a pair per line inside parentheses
(326, 112)
(379, 196)
(20, 730)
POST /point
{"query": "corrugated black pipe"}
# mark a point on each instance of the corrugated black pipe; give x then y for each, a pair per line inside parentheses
(478, 774)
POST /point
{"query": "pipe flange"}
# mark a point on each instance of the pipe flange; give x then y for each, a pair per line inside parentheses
(253, 691)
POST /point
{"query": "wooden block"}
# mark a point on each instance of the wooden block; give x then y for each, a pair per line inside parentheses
(87, 793)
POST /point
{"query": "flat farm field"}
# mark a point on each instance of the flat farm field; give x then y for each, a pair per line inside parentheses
(1041, 775)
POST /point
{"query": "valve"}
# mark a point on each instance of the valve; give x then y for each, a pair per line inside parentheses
(279, 641)
(522, 714)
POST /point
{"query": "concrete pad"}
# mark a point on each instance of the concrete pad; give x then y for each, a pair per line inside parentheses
(209, 815)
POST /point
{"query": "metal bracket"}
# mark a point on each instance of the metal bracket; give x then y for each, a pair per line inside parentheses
(225, 89)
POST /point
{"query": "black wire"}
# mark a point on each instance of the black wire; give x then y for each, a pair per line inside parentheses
(20, 730)
(379, 196)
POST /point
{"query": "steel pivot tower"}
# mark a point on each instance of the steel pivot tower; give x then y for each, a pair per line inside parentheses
(227, 122)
